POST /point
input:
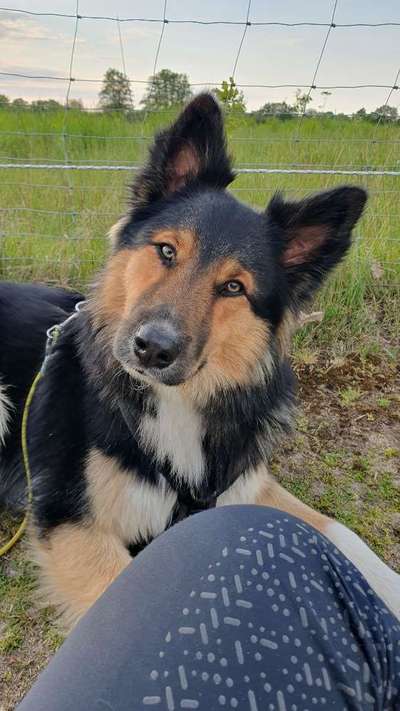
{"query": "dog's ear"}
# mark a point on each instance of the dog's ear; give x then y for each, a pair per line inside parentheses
(312, 236)
(192, 149)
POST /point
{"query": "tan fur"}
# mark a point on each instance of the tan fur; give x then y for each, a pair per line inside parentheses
(184, 241)
(117, 229)
(186, 163)
(277, 497)
(133, 273)
(109, 302)
(285, 332)
(122, 504)
(237, 340)
(77, 563)
(143, 273)
(107, 492)
(303, 241)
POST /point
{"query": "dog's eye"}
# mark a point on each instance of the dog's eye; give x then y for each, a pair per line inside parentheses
(166, 252)
(232, 288)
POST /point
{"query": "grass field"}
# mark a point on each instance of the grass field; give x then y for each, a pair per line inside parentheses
(53, 222)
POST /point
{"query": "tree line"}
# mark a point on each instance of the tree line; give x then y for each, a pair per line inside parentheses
(168, 89)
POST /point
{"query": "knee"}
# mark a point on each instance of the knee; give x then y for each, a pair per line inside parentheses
(236, 525)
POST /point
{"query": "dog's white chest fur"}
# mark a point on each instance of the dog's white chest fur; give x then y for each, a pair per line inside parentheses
(175, 434)
(123, 503)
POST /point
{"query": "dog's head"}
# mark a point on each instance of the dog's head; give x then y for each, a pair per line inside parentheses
(199, 287)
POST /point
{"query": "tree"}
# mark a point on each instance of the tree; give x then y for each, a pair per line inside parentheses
(361, 114)
(116, 91)
(76, 104)
(384, 114)
(4, 100)
(280, 109)
(230, 97)
(166, 89)
(302, 101)
(20, 103)
(46, 105)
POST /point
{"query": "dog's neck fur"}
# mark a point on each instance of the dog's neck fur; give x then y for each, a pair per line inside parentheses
(205, 446)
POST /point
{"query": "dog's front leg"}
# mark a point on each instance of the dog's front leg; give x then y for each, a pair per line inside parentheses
(77, 563)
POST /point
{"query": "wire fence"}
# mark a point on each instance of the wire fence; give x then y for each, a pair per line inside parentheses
(63, 175)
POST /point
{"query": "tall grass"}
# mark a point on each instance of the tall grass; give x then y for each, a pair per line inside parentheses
(53, 222)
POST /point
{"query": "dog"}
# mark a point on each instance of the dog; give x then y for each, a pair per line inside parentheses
(169, 390)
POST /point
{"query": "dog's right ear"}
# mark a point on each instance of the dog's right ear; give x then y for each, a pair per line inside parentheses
(192, 150)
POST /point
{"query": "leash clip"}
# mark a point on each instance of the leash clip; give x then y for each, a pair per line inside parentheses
(53, 333)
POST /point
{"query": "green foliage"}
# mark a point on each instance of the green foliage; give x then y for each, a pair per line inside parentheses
(361, 114)
(230, 97)
(116, 91)
(4, 100)
(384, 113)
(280, 109)
(166, 90)
(46, 105)
(20, 103)
(76, 104)
(349, 396)
(302, 101)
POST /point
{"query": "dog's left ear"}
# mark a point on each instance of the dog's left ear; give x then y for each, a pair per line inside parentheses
(312, 236)
(193, 149)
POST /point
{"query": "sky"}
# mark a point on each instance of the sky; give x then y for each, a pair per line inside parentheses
(40, 45)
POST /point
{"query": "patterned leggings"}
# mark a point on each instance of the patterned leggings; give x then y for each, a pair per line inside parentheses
(241, 607)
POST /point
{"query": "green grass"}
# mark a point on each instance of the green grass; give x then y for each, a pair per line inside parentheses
(37, 242)
(349, 395)
(18, 603)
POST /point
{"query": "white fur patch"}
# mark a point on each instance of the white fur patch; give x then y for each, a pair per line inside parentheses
(123, 504)
(5, 413)
(384, 581)
(247, 489)
(175, 433)
(143, 510)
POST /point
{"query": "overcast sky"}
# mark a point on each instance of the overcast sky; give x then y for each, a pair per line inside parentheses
(270, 55)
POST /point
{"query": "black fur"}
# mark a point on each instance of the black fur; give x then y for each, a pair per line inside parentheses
(199, 128)
(78, 403)
(26, 312)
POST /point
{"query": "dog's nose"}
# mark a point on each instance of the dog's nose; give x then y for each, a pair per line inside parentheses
(156, 345)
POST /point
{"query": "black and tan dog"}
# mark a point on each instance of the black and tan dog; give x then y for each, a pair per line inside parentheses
(173, 384)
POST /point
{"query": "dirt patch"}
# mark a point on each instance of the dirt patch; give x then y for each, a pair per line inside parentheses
(344, 460)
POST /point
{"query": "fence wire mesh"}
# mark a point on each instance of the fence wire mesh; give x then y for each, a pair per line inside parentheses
(64, 174)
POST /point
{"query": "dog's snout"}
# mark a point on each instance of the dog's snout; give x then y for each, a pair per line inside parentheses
(156, 345)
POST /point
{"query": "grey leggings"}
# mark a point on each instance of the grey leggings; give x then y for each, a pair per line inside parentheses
(241, 607)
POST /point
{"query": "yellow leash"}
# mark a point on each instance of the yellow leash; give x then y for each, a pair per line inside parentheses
(24, 444)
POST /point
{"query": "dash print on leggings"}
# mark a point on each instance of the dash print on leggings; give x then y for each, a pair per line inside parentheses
(306, 653)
